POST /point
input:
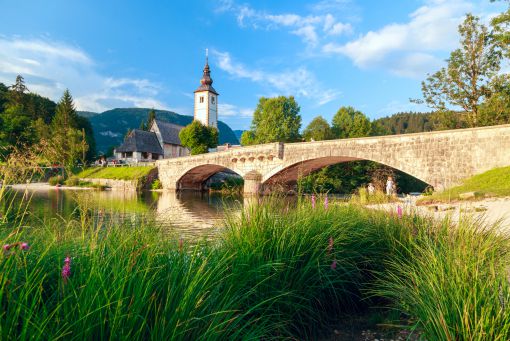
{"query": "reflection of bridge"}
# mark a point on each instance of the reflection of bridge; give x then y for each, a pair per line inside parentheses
(440, 158)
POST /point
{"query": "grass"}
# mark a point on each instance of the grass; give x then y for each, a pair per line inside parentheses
(116, 173)
(276, 272)
(493, 183)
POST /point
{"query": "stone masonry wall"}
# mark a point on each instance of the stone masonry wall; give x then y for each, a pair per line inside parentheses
(441, 158)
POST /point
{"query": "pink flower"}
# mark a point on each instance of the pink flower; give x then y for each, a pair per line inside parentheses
(66, 269)
(24, 246)
(313, 200)
(399, 212)
(6, 247)
(326, 202)
(333, 265)
(330, 245)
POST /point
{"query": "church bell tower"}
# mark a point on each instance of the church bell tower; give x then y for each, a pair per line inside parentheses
(206, 99)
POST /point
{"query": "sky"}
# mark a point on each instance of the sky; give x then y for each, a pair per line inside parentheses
(369, 54)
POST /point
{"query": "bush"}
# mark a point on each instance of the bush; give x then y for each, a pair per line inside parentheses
(156, 184)
(56, 180)
(72, 181)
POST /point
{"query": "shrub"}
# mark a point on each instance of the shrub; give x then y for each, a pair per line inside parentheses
(72, 181)
(56, 180)
(156, 184)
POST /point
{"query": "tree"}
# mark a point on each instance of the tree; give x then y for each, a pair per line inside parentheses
(68, 140)
(150, 118)
(17, 92)
(198, 137)
(496, 109)
(349, 122)
(465, 82)
(247, 138)
(275, 120)
(318, 130)
(501, 24)
(65, 113)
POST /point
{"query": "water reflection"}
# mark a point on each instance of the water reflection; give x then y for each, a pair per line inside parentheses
(184, 214)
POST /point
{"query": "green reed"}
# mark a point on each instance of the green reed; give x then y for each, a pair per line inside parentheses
(275, 272)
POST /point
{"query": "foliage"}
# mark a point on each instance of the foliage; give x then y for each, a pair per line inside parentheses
(493, 183)
(402, 123)
(116, 173)
(198, 137)
(465, 82)
(56, 180)
(349, 122)
(275, 119)
(25, 119)
(501, 24)
(275, 272)
(318, 130)
(348, 177)
(156, 184)
(230, 185)
(151, 116)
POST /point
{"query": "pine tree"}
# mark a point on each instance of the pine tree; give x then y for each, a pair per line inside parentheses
(65, 114)
(151, 117)
(18, 90)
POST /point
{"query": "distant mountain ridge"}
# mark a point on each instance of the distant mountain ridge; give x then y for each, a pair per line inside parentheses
(111, 126)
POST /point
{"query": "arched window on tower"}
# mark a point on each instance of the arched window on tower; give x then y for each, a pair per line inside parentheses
(201, 99)
(212, 99)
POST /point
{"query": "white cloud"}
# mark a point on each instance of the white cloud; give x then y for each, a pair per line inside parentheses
(50, 67)
(297, 82)
(231, 110)
(408, 49)
(308, 27)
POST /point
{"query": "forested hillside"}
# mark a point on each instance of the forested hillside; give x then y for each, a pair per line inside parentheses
(111, 126)
(27, 118)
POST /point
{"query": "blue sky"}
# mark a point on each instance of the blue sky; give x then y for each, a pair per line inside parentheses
(369, 54)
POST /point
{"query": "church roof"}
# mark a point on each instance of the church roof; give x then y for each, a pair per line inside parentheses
(169, 132)
(206, 81)
(140, 141)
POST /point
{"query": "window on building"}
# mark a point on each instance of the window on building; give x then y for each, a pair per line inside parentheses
(201, 99)
(212, 99)
(128, 154)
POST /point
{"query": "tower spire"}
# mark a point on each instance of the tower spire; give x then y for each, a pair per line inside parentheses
(206, 56)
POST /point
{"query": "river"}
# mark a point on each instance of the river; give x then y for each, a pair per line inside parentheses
(183, 214)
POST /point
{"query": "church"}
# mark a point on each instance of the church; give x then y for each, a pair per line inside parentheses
(162, 141)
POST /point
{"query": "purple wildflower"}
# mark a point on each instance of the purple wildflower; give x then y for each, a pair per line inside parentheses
(313, 200)
(66, 269)
(399, 212)
(333, 265)
(330, 245)
(6, 247)
(181, 242)
(326, 202)
(24, 246)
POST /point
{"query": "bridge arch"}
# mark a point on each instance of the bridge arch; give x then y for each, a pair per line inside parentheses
(290, 173)
(195, 177)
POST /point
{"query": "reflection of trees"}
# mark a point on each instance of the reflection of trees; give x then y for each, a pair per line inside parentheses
(193, 212)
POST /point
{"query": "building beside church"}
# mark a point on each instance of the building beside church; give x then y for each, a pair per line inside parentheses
(162, 140)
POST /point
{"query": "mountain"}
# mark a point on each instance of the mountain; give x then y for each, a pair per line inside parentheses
(111, 126)
(87, 114)
(238, 134)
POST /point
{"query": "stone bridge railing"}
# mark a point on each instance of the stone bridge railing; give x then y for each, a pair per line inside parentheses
(440, 158)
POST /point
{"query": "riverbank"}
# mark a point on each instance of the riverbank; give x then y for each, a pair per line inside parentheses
(276, 271)
(491, 210)
(44, 186)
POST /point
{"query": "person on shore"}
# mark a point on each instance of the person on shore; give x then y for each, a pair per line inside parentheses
(371, 189)
(390, 185)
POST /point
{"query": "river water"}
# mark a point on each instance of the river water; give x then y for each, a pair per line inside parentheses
(183, 214)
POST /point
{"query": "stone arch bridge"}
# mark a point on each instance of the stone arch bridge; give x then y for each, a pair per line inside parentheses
(441, 158)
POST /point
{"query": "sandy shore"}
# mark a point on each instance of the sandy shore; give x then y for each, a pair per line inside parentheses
(493, 210)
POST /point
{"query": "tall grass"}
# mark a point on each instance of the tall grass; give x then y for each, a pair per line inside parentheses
(276, 272)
